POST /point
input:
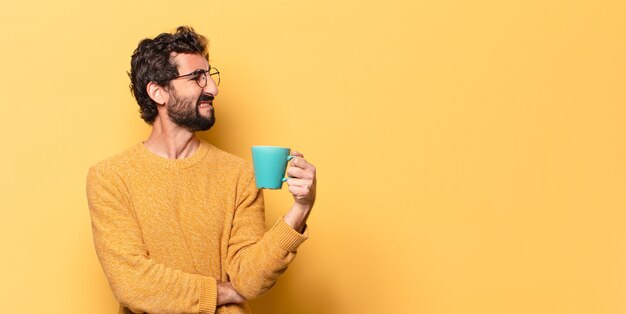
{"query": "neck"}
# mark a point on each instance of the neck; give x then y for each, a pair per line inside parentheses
(170, 141)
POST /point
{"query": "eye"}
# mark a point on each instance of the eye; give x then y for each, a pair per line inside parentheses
(199, 75)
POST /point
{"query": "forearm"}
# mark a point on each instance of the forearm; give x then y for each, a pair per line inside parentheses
(256, 268)
(257, 257)
(302, 184)
(145, 285)
(296, 217)
(138, 281)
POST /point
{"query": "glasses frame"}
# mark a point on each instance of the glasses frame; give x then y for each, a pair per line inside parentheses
(204, 73)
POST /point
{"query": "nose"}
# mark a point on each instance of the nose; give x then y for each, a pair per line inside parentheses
(210, 87)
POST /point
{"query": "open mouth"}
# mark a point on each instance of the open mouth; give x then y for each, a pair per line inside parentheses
(205, 105)
(205, 101)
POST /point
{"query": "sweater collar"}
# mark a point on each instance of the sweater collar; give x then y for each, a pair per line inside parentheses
(146, 155)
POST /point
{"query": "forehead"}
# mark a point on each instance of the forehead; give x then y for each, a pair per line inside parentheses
(187, 63)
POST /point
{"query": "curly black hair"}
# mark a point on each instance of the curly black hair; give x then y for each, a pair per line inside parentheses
(152, 62)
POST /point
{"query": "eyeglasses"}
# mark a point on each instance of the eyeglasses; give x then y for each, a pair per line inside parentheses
(200, 76)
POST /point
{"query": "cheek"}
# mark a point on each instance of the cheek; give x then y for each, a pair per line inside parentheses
(190, 101)
(193, 99)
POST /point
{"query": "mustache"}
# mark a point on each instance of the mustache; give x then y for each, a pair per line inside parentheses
(205, 98)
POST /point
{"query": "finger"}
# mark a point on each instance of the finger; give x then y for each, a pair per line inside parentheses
(299, 191)
(295, 172)
(302, 163)
(298, 182)
(239, 298)
(297, 154)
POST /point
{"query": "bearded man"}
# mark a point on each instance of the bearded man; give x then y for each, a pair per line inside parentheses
(178, 224)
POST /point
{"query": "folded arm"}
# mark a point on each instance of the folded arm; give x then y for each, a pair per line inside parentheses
(257, 258)
(138, 282)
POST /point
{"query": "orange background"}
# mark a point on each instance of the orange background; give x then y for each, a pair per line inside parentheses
(471, 154)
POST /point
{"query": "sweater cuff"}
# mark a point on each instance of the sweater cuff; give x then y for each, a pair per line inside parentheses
(208, 295)
(286, 237)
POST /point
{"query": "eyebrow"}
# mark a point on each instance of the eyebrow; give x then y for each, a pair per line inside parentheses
(194, 72)
(198, 70)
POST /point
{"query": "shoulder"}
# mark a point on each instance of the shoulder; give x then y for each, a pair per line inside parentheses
(105, 179)
(116, 164)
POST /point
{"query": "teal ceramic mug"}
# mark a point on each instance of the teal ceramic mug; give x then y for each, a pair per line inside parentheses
(270, 164)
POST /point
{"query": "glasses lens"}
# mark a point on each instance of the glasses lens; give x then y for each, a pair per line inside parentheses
(215, 75)
(201, 79)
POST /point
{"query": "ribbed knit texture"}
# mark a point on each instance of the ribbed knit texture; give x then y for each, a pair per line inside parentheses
(166, 231)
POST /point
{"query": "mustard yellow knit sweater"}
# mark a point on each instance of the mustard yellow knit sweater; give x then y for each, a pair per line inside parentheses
(166, 231)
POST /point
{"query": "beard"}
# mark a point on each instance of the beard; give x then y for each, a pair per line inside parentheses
(184, 113)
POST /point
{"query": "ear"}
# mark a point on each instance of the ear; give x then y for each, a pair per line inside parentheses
(157, 93)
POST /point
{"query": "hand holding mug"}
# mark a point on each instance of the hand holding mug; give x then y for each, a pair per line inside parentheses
(269, 173)
(302, 180)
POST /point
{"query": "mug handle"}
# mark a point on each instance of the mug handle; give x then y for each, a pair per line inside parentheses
(288, 159)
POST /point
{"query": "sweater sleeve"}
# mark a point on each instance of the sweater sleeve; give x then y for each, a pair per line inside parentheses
(138, 282)
(257, 258)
